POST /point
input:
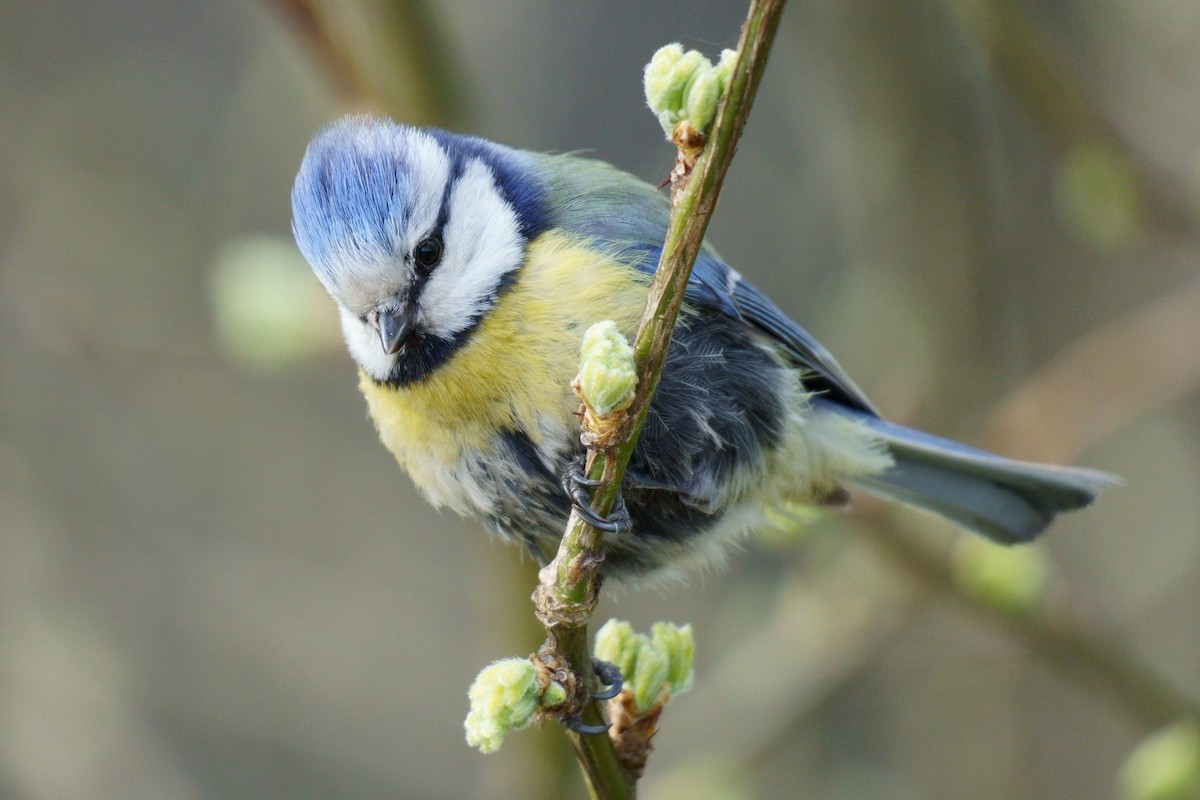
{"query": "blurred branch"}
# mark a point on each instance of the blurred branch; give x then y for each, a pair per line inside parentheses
(311, 20)
(400, 62)
(1064, 642)
(415, 46)
(827, 625)
(1102, 383)
(1024, 60)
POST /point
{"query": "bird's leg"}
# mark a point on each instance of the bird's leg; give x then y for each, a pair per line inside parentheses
(610, 676)
(576, 483)
(572, 722)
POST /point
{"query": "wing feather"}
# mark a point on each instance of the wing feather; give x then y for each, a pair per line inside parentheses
(633, 217)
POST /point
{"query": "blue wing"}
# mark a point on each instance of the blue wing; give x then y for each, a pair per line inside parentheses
(634, 217)
(716, 287)
(1008, 501)
(826, 374)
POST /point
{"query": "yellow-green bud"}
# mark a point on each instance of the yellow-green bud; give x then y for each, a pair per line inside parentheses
(503, 698)
(1165, 766)
(649, 673)
(657, 76)
(616, 643)
(1012, 578)
(724, 68)
(649, 663)
(679, 644)
(554, 694)
(667, 79)
(607, 370)
(704, 93)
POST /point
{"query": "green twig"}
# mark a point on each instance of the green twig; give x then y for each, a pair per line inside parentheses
(388, 54)
(567, 593)
(1051, 633)
(311, 21)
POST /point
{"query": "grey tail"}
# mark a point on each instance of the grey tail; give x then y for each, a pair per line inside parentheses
(1005, 500)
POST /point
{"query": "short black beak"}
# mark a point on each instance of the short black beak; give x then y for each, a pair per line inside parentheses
(395, 326)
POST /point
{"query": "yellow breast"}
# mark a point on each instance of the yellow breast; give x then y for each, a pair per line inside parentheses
(513, 373)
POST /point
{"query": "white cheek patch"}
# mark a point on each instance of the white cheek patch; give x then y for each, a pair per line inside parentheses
(363, 343)
(482, 244)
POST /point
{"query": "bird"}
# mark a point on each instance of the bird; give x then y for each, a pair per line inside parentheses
(465, 273)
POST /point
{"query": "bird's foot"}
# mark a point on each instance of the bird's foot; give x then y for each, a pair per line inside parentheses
(576, 483)
(572, 722)
(610, 678)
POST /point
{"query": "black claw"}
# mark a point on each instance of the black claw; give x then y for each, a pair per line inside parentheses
(610, 676)
(577, 477)
(589, 515)
(574, 483)
(574, 723)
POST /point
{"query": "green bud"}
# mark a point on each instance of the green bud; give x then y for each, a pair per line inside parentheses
(664, 95)
(649, 674)
(554, 694)
(703, 95)
(679, 644)
(724, 68)
(1012, 578)
(656, 77)
(649, 663)
(483, 732)
(1164, 766)
(607, 370)
(616, 643)
(667, 79)
(503, 698)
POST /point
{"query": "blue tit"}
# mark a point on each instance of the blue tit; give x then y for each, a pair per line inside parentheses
(465, 274)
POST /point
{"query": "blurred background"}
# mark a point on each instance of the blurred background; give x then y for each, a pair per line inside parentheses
(215, 583)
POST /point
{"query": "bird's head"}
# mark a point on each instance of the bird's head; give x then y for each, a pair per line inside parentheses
(414, 233)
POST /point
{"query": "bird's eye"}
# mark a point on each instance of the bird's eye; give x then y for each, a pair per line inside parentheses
(428, 252)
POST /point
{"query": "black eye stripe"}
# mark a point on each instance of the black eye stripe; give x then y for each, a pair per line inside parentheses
(427, 253)
(456, 170)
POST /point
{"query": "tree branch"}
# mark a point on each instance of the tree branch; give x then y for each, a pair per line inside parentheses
(567, 593)
(390, 55)
(1052, 632)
